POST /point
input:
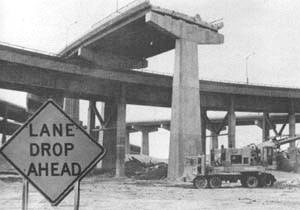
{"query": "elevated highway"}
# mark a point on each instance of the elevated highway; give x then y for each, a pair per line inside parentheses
(49, 75)
(97, 67)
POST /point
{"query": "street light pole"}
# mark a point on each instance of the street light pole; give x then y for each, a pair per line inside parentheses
(246, 59)
(67, 31)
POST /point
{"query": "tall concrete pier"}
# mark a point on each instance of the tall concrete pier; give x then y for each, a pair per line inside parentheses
(185, 118)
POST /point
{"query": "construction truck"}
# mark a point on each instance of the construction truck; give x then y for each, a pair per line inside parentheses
(249, 165)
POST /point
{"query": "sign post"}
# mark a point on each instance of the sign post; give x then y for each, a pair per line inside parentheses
(25, 191)
(53, 153)
(76, 195)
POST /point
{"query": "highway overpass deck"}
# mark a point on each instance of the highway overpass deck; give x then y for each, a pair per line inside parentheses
(43, 74)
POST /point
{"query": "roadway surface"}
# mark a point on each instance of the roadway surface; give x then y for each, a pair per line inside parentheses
(113, 194)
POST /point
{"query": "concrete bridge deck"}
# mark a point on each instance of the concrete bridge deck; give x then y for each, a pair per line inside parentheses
(42, 74)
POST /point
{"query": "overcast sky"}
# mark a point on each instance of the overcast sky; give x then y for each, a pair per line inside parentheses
(269, 28)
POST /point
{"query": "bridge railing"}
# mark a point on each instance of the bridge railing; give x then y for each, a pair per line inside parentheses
(27, 49)
(118, 12)
(150, 71)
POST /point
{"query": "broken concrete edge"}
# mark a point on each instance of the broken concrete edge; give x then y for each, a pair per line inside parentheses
(142, 8)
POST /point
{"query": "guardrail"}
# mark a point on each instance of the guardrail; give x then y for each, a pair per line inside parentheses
(119, 11)
(27, 49)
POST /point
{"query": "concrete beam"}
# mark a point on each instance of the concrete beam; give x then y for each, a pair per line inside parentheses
(12, 111)
(180, 29)
(185, 117)
(8, 127)
(144, 128)
(231, 123)
(111, 61)
(36, 73)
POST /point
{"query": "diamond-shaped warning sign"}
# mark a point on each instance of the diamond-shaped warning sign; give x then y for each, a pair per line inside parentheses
(52, 152)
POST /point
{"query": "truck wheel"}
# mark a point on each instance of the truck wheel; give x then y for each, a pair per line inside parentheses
(200, 182)
(269, 180)
(215, 182)
(243, 181)
(252, 181)
(262, 180)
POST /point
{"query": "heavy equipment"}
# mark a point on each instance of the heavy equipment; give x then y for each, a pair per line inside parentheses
(249, 165)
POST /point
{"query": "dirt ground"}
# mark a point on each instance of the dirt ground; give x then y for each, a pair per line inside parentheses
(126, 194)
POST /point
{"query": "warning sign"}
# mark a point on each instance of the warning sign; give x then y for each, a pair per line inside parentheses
(52, 152)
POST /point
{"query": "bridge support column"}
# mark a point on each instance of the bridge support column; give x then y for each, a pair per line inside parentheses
(145, 142)
(115, 134)
(110, 135)
(214, 144)
(59, 99)
(127, 143)
(292, 124)
(231, 124)
(121, 132)
(203, 134)
(185, 119)
(265, 127)
(91, 120)
(71, 107)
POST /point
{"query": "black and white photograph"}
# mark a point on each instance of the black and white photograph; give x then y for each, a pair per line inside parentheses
(149, 105)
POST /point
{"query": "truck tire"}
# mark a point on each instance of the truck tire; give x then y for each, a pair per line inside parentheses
(270, 179)
(243, 181)
(252, 181)
(215, 182)
(262, 180)
(266, 180)
(200, 182)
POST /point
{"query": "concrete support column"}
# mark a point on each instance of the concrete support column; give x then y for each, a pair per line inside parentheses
(203, 134)
(121, 133)
(115, 133)
(71, 107)
(265, 127)
(292, 124)
(145, 142)
(214, 140)
(58, 98)
(231, 124)
(185, 120)
(101, 111)
(127, 143)
(91, 120)
(110, 135)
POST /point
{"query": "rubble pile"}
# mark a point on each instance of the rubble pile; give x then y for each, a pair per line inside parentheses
(145, 168)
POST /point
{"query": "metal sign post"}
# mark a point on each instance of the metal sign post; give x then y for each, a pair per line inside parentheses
(52, 153)
(25, 192)
(77, 195)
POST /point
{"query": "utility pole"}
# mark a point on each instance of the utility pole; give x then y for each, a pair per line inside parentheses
(246, 59)
(67, 31)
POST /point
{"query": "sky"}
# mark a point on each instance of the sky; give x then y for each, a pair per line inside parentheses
(266, 29)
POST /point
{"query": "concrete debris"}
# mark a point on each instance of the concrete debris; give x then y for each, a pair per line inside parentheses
(141, 167)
